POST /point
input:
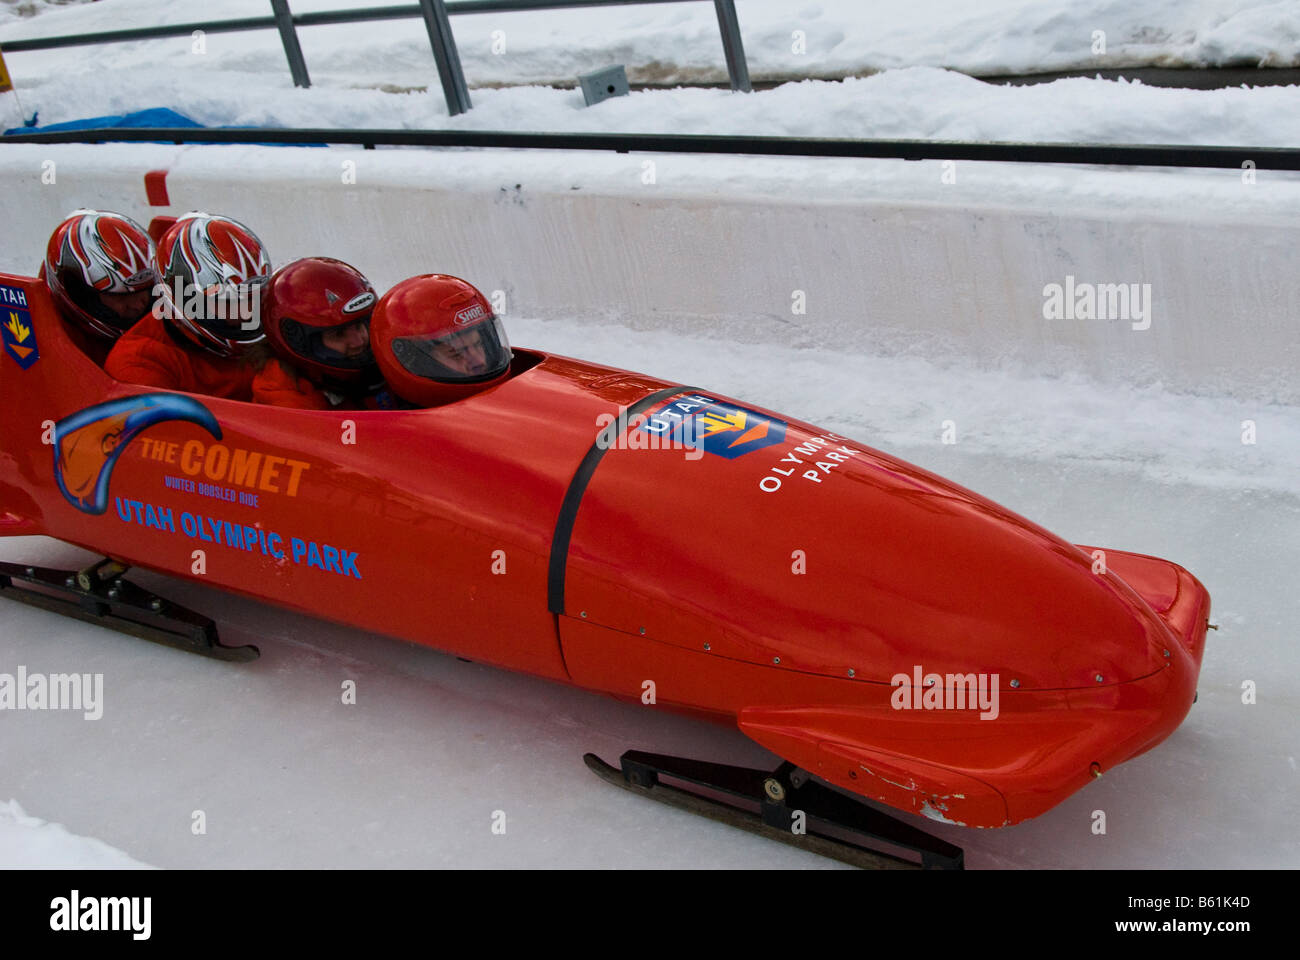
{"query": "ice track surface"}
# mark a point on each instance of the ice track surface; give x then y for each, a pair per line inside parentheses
(413, 774)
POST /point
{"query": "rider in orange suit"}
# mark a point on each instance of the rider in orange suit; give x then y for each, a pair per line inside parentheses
(212, 271)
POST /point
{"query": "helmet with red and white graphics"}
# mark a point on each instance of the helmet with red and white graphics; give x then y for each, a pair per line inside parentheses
(213, 271)
(100, 269)
(437, 340)
(316, 314)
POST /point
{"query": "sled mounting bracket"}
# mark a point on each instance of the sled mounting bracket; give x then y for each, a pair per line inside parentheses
(98, 594)
(777, 805)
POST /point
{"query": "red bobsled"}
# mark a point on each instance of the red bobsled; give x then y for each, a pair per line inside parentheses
(878, 627)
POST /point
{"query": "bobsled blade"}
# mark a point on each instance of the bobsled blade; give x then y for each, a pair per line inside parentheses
(118, 605)
(837, 827)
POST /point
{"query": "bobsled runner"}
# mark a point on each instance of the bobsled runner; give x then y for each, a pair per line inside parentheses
(890, 635)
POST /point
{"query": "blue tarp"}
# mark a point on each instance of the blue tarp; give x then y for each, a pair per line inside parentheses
(161, 117)
(153, 117)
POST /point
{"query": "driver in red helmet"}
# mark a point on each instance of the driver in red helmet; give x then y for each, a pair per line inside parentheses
(212, 270)
(316, 314)
(436, 341)
(100, 270)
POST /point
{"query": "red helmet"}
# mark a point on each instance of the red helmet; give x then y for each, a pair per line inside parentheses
(436, 340)
(100, 269)
(316, 314)
(213, 270)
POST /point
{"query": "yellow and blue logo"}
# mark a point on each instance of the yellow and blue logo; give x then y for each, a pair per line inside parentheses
(722, 429)
(16, 326)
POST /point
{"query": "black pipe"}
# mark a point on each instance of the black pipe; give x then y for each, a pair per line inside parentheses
(1124, 154)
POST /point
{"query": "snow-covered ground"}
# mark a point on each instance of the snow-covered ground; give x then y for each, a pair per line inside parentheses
(916, 102)
(32, 843)
(679, 42)
(241, 78)
(412, 775)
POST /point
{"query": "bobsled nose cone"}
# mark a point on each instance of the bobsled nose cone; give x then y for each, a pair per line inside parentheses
(87, 444)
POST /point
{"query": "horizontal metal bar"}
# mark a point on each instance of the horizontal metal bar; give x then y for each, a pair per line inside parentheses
(357, 15)
(362, 14)
(509, 6)
(138, 33)
(1138, 154)
(351, 15)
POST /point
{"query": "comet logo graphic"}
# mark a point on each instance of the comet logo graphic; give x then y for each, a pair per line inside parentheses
(722, 429)
(87, 444)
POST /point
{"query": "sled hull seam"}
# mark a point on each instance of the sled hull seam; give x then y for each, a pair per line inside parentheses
(578, 486)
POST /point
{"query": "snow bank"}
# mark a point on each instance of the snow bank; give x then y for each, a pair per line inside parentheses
(919, 102)
(679, 42)
(27, 842)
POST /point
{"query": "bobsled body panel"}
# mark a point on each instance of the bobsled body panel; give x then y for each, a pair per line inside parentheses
(917, 749)
(430, 525)
(839, 560)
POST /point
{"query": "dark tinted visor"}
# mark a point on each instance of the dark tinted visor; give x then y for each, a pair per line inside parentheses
(309, 342)
(116, 310)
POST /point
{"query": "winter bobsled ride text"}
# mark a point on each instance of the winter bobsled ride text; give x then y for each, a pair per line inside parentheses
(882, 630)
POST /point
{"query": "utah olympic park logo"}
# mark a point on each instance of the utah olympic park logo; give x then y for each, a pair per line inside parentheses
(706, 423)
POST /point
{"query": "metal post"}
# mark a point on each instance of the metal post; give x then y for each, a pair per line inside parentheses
(289, 37)
(444, 53)
(731, 45)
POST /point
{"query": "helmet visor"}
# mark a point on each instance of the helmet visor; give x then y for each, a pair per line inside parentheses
(467, 355)
(346, 347)
(118, 310)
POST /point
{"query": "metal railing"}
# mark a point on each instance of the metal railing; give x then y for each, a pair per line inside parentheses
(435, 13)
(1128, 154)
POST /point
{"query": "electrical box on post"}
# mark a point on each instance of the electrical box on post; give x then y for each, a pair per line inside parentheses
(602, 84)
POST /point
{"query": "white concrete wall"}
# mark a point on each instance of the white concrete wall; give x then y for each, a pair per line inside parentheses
(891, 259)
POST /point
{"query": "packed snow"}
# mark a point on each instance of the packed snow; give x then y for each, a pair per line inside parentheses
(242, 78)
(414, 774)
(29, 842)
(912, 103)
(680, 43)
